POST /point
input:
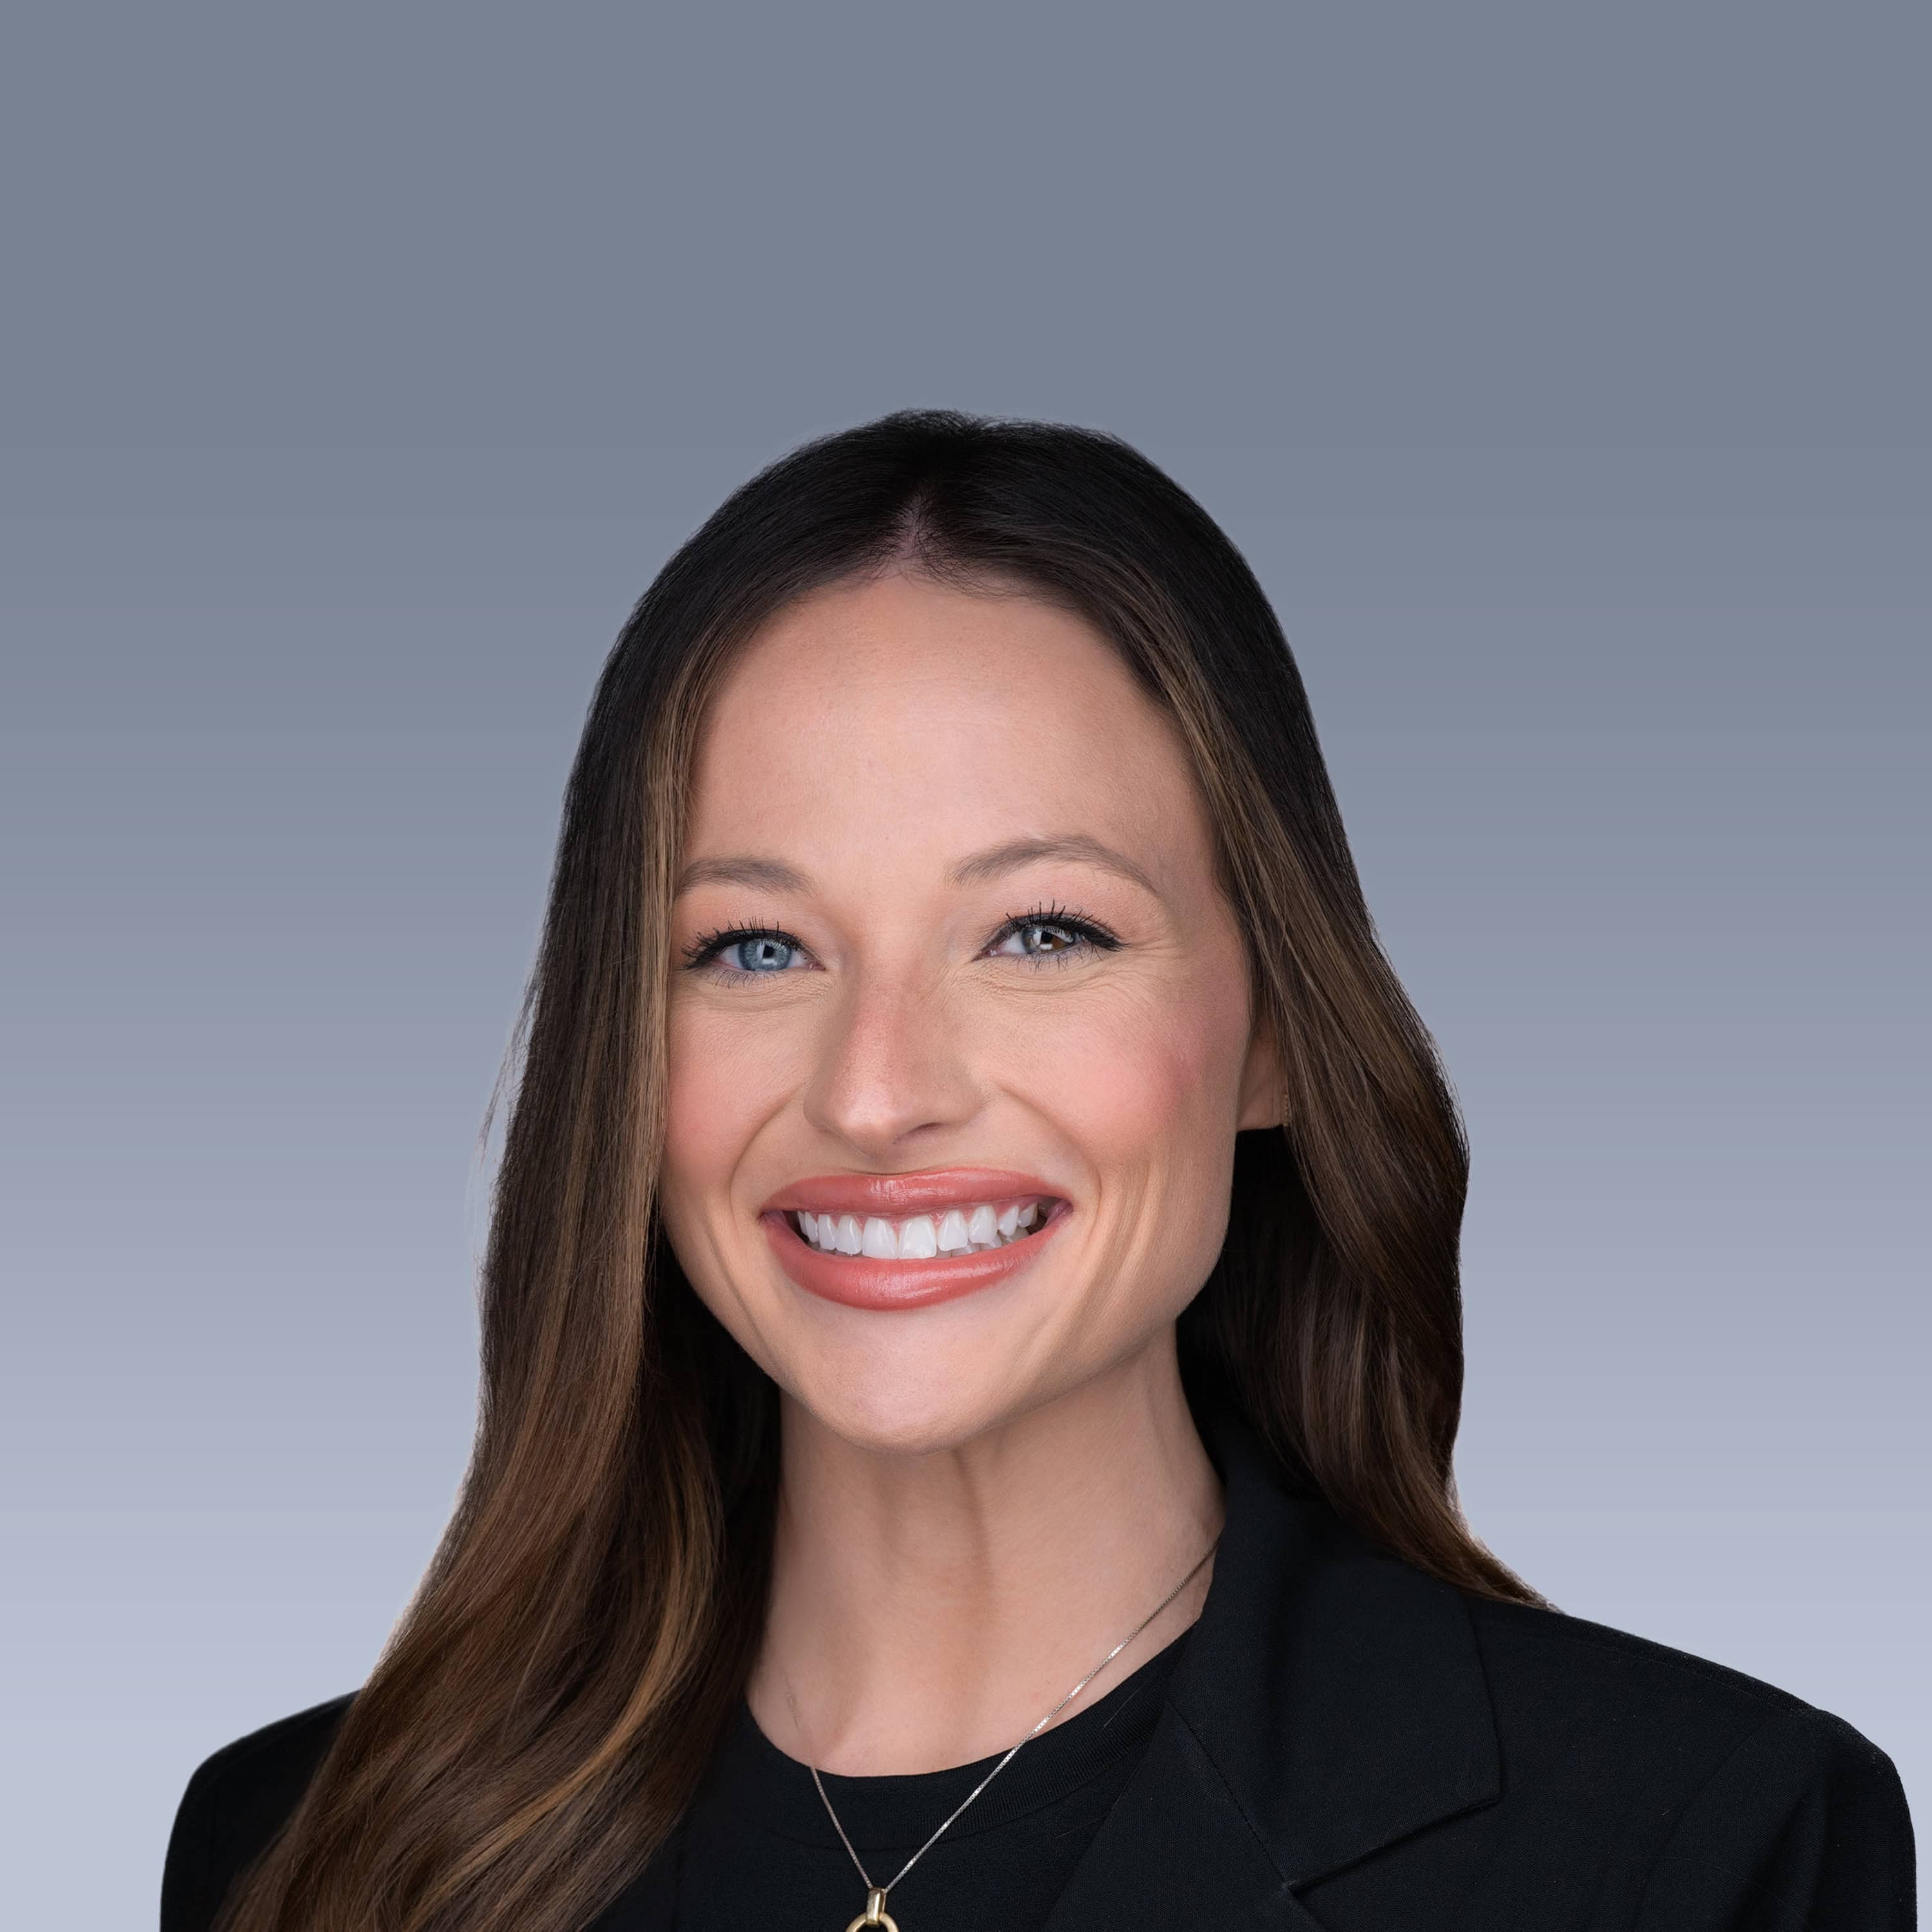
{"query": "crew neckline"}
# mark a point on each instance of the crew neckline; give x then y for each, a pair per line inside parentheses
(770, 1790)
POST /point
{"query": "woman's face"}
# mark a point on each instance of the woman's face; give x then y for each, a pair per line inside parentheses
(957, 953)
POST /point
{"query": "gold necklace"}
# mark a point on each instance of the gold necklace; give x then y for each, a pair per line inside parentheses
(875, 1914)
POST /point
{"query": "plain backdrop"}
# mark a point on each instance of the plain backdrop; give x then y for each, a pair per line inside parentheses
(1562, 372)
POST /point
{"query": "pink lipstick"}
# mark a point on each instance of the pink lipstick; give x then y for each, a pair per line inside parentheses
(838, 1235)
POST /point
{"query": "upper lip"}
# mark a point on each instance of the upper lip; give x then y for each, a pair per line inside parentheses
(892, 1196)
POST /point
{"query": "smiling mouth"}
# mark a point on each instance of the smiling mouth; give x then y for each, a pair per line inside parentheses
(972, 1227)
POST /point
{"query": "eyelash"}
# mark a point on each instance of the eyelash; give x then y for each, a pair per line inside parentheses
(699, 956)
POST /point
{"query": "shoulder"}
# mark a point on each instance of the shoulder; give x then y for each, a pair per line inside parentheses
(236, 1800)
(1549, 1670)
(1726, 1778)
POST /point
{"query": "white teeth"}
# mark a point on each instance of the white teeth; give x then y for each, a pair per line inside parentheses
(957, 1232)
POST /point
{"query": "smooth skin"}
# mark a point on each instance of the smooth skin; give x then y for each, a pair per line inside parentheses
(981, 1498)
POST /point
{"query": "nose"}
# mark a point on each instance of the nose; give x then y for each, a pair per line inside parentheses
(890, 1068)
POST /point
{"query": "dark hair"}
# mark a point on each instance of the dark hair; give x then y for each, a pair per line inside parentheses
(541, 1715)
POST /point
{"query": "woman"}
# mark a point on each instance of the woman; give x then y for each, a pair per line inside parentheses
(972, 1342)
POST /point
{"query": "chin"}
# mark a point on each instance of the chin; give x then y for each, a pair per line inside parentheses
(909, 1428)
(898, 1415)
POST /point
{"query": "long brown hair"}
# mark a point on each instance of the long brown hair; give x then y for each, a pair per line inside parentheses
(540, 1717)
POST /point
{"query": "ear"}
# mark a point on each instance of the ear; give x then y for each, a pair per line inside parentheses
(1263, 1102)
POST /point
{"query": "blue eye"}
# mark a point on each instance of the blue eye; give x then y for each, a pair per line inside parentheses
(760, 952)
(766, 953)
(1048, 935)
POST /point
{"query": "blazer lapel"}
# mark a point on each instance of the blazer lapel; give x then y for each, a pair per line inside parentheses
(1330, 1701)
(1176, 1850)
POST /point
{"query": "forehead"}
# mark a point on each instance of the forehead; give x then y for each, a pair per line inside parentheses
(898, 714)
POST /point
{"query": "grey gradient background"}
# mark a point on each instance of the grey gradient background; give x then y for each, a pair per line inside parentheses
(1561, 372)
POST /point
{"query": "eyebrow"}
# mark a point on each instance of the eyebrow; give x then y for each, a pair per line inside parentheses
(998, 860)
(768, 874)
(995, 862)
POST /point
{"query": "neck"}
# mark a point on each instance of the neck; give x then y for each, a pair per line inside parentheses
(929, 1610)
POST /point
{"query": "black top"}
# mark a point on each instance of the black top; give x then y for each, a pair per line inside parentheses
(1344, 1744)
(760, 1850)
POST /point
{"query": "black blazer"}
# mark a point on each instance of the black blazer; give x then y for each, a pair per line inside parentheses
(1347, 1745)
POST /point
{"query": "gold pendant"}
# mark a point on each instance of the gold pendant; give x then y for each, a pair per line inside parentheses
(874, 1913)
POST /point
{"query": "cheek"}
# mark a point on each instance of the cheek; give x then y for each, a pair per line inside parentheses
(1148, 1080)
(719, 1091)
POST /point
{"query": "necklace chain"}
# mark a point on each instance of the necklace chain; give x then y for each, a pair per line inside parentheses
(875, 1912)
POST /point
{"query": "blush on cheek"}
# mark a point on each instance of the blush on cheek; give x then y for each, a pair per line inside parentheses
(1135, 1096)
(714, 1103)
(1167, 1060)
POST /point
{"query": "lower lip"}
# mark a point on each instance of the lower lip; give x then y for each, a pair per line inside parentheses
(859, 1281)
